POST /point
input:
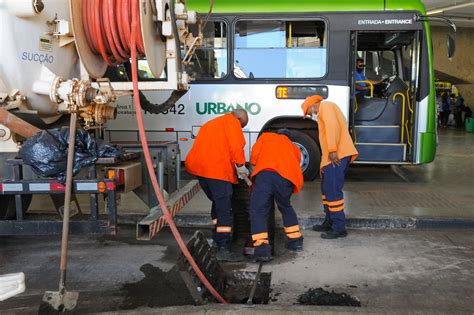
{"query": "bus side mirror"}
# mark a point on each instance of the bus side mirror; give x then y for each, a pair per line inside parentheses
(451, 46)
(442, 19)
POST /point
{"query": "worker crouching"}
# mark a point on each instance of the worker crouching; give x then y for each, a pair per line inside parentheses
(217, 159)
(276, 176)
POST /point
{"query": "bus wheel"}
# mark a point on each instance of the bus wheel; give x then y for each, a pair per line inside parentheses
(7, 206)
(310, 154)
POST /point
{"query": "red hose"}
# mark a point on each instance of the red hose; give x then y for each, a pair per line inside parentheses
(107, 26)
(103, 22)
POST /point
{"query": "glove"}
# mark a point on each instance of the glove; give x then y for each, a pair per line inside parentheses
(242, 171)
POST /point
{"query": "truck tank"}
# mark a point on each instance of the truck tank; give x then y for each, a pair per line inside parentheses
(26, 29)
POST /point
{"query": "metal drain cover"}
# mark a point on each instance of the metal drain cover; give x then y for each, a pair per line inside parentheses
(234, 286)
(205, 258)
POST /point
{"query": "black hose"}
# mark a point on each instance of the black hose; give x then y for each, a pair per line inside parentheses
(148, 106)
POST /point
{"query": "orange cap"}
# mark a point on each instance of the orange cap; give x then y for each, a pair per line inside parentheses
(310, 101)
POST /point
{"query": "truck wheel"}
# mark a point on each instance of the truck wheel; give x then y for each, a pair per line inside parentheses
(7, 206)
(310, 154)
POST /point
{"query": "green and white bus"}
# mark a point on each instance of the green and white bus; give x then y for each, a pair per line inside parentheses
(268, 56)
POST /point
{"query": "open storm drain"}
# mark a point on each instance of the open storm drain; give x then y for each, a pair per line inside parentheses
(234, 286)
(319, 296)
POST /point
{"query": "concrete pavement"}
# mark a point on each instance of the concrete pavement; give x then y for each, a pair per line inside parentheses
(391, 270)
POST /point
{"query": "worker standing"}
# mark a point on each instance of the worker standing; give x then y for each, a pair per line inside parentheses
(217, 158)
(338, 151)
(277, 175)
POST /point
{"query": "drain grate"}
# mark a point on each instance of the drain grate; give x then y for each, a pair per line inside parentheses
(410, 199)
(205, 258)
(233, 286)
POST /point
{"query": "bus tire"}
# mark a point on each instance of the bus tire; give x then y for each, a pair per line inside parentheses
(311, 154)
(7, 206)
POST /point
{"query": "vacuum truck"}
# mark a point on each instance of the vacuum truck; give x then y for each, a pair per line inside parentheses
(64, 57)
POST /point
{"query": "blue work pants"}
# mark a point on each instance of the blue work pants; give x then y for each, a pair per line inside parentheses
(268, 187)
(220, 193)
(332, 194)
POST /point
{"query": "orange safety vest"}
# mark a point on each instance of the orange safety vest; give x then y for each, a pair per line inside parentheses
(219, 145)
(334, 134)
(278, 153)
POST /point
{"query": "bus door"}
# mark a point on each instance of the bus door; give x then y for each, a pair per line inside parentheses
(384, 76)
(352, 102)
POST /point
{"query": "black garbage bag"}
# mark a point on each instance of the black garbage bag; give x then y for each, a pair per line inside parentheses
(46, 152)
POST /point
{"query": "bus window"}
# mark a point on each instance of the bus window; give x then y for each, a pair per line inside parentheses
(210, 61)
(280, 49)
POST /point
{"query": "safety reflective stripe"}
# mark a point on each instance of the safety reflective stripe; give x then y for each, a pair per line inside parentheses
(294, 235)
(260, 236)
(87, 186)
(40, 187)
(260, 242)
(12, 187)
(336, 203)
(291, 229)
(224, 229)
(214, 221)
(336, 209)
(324, 199)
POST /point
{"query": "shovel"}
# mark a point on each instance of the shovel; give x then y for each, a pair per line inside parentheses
(64, 300)
(254, 286)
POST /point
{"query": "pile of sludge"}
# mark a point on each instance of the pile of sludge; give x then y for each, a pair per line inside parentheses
(319, 296)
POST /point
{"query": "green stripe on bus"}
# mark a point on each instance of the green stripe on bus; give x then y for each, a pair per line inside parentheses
(266, 6)
(428, 147)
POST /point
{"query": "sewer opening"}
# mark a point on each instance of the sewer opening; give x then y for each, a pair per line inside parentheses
(239, 284)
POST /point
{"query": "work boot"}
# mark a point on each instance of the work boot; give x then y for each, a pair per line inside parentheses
(295, 245)
(224, 254)
(330, 235)
(263, 253)
(324, 227)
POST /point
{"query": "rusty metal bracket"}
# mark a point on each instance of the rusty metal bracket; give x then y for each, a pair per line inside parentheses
(155, 221)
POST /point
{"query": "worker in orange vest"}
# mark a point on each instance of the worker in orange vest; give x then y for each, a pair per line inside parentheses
(217, 158)
(276, 176)
(338, 151)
